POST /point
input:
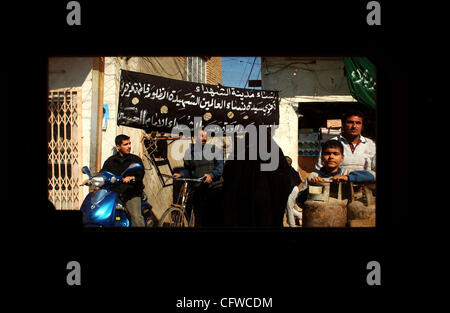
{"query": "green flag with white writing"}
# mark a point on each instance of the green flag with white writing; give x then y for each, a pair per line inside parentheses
(361, 78)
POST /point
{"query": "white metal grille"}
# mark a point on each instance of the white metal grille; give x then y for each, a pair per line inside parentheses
(196, 69)
(64, 148)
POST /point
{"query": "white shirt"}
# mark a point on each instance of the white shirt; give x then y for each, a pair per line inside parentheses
(363, 158)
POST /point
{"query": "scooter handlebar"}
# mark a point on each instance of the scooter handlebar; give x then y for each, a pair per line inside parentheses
(198, 180)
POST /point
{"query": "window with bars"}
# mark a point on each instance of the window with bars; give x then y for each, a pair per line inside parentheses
(64, 148)
(196, 69)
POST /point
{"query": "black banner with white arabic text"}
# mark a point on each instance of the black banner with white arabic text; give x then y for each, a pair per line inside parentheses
(156, 103)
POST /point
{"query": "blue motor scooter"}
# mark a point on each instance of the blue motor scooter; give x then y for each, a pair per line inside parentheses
(103, 208)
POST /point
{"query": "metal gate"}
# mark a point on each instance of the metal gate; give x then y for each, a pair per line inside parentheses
(64, 148)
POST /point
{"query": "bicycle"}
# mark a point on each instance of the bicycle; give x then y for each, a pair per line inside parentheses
(176, 215)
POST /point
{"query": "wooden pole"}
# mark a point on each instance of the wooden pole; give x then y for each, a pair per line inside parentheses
(101, 72)
(97, 113)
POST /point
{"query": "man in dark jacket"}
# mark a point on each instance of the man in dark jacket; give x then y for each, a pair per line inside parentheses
(131, 187)
(205, 197)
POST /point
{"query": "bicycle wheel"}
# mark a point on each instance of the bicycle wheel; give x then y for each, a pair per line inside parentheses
(173, 217)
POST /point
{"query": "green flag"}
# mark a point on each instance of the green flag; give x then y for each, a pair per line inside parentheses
(361, 78)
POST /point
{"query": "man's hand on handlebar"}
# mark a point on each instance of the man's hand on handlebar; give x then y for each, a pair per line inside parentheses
(205, 178)
(85, 182)
(127, 179)
(208, 179)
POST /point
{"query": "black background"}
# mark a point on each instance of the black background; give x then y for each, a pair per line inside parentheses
(298, 269)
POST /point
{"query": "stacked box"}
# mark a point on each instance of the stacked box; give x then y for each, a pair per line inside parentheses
(308, 144)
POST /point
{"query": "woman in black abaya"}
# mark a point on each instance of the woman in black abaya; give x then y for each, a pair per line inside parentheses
(252, 197)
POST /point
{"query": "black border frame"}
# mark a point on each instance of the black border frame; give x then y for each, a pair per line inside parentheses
(237, 262)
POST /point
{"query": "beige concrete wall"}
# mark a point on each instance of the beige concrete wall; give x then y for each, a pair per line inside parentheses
(113, 65)
(297, 78)
(286, 135)
(68, 72)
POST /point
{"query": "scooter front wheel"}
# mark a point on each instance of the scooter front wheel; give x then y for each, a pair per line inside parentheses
(173, 217)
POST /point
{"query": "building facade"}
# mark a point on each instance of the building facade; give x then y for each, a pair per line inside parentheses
(74, 85)
(312, 90)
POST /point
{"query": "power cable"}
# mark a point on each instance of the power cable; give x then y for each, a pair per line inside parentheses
(250, 72)
(243, 73)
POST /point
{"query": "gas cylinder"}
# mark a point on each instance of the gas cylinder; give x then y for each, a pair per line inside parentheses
(324, 206)
(361, 208)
